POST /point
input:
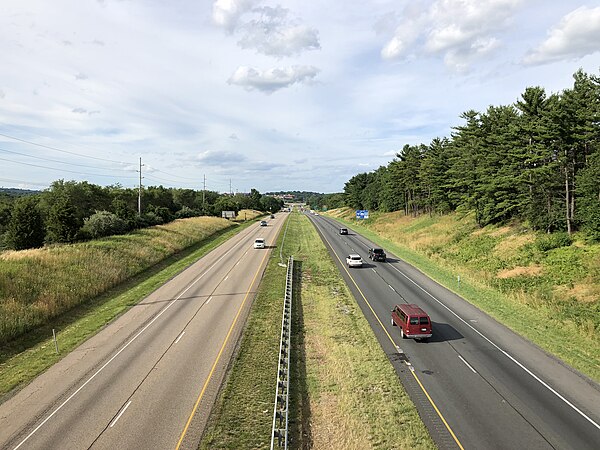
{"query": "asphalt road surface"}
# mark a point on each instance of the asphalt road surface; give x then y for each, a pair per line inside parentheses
(149, 379)
(477, 385)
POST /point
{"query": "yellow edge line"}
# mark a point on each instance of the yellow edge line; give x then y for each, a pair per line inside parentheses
(189, 421)
(436, 409)
(393, 343)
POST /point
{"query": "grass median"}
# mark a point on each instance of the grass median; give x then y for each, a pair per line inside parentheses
(344, 392)
(27, 356)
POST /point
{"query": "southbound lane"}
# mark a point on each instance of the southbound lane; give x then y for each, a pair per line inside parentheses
(476, 384)
(148, 379)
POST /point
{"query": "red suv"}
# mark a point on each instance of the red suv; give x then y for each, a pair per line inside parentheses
(412, 320)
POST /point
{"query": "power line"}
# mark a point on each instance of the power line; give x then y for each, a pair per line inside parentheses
(91, 157)
(152, 177)
(82, 155)
(172, 175)
(23, 182)
(61, 150)
(54, 160)
(65, 170)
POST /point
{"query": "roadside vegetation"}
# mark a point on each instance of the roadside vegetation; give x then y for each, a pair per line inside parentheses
(38, 285)
(546, 287)
(29, 354)
(344, 391)
(71, 211)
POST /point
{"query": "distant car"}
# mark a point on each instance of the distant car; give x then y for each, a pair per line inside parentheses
(412, 321)
(272, 216)
(377, 254)
(259, 243)
(263, 223)
(354, 260)
(343, 230)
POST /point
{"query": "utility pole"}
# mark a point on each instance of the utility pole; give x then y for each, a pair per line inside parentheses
(230, 190)
(140, 190)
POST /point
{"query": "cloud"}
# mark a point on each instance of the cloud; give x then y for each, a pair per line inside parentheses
(234, 137)
(98, 42)
(226, 13)
(271, 80)
(262, 166)
(274, 33)
(459, 30)
(2, 93)
(81, 76)
(575, 36)
(271, 31)
(85, 111)
(220, 159)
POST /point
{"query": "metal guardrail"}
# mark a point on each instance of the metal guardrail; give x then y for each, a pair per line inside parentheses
(279, 433)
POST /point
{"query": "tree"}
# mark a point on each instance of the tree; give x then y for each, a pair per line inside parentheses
(588, 189)
(463, 170)
(26, 226)
(62, 224)
(432, 176)
(270, 204)
(353, 190)
(255, 197)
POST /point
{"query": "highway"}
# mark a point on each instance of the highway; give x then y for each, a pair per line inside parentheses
(148, 379)
(476, 384)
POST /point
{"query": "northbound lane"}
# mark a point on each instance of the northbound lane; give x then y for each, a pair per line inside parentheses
(477, 384)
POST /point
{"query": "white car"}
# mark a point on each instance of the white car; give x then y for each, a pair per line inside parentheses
(354, 260)
(259, 243)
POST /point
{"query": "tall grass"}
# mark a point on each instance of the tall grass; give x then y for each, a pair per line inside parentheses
(38, 285)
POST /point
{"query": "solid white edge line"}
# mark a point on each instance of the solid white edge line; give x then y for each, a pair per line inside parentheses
(534, 376)
(120, 414)
(467, 364)
(121, 350)
(180, 336)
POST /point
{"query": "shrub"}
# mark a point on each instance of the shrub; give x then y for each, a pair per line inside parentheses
(554, 240)
(103, 223)
(186, 212)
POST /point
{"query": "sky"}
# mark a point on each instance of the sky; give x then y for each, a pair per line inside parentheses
(272, 95)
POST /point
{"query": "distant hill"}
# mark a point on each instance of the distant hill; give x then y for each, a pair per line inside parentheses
(16, 192)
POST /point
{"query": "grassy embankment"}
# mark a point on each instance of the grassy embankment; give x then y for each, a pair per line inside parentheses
(344, 392)
(544, 291)
(77, 289)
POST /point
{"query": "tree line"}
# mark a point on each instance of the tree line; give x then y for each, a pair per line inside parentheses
(70, 211)
(537, 160)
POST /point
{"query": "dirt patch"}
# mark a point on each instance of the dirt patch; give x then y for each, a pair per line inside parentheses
(520, 271)
(509, 245)
(498, 232)
(583, 292)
